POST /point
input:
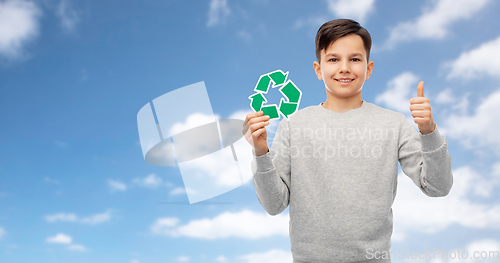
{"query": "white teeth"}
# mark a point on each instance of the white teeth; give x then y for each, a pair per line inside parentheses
(345, 80)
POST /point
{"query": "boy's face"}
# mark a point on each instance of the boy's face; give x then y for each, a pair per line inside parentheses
(344, 67)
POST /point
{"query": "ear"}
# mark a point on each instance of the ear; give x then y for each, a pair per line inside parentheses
(317, 69)
(369, 69)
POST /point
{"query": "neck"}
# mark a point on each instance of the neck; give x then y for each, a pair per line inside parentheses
(343, 104)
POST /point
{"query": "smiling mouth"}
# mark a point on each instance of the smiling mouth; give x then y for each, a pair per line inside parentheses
(344, 80)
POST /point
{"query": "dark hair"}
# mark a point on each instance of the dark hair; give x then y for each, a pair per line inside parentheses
(332, 30)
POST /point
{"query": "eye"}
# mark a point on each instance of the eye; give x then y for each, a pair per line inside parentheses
(356, 59)
(333, 60)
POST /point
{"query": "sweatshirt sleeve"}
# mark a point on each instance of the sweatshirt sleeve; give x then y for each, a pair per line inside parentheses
(271, 173)
(425, 159)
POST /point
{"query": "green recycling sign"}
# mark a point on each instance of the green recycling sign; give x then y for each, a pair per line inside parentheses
(288, 105)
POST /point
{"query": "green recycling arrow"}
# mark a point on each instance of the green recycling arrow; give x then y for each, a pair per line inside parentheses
(289, 90)
(293, 94)
(256, 101)
(263, 84)
(278, 77)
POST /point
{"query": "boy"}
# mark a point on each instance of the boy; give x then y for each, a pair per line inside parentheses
(336, 163)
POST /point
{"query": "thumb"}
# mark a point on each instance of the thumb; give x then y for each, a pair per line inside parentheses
(420, 89)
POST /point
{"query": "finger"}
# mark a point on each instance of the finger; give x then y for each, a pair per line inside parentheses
(258, 132)
(420, 89)
(422, 114)
(419, 100)
(252, 137)
(253, 115)
(249, 136)
(246, 129)
(418, 107)
(422, 122)
(258, 125)
(250, 119)
(258, 119)
(417, 114)
(419, 120)
(255, 120)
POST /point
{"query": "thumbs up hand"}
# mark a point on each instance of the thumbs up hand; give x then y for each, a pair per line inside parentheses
(421, 111)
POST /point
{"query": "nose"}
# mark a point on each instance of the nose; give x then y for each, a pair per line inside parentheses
(344, 67)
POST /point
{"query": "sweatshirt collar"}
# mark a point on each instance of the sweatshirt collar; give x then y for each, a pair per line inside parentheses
(364, 105)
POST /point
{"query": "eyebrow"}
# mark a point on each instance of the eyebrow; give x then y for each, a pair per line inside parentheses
(352, 55)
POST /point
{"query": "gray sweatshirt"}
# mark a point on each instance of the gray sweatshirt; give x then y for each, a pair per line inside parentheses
(338, 173)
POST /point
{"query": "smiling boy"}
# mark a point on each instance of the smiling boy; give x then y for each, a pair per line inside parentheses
(335, 164)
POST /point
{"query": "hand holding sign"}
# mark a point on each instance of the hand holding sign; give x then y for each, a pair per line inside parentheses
(254, 130)
(420, 108)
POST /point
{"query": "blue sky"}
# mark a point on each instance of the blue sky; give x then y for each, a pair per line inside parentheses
(74, 186)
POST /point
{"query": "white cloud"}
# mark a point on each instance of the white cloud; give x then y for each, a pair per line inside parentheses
(224, 174)
(271, 256)
(97, 218)
(479, 129)
(64, 217)
(245, 224)
(435, 21)
(244, 35)
(77, 247)
(399, 92)
(240, 114)
(67, 15)
(207, 175)
(66, 240)
(477, 63)
(84, 76)
(91, 220)
(61, 144)
(2, 232)
(60, 239)
(193, 121)
(353, 9)
(218, 12)
(221, 259)
(183, 258)
(496, 169)
(50, 180)
(357, 9)
(178, 191)
(164, 222)
(446, 96)
(415, 212)
(115, 185)
(150, 181)
(312, 22)
(18, 25)
(458, 105)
